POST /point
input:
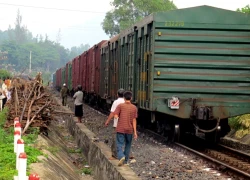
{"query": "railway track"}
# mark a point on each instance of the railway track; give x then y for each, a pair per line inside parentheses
(224, 156)
(236, 161)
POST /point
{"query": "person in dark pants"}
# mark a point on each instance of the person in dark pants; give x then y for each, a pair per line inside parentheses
(78, 96)
(4, 91)
(72, 92)
(126, 127)
(111, 115)
(64, 94)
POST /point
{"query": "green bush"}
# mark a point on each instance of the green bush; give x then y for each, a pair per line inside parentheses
(241, 124)
(4, 73)
(7, 155)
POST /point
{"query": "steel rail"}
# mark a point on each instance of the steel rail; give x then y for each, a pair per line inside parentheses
(213, 160)
(235, 151)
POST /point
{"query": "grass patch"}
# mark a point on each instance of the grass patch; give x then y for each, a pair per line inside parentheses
(72, 150)
(87, 171)
(7, 155)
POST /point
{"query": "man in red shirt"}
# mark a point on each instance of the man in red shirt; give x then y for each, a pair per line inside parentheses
(126, 127)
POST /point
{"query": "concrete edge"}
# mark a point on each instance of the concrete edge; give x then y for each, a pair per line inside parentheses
(97, 153)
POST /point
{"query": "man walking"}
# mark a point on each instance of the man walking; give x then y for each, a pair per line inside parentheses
(78, 96)
(111, 115)
(64, 92)
(126, 127)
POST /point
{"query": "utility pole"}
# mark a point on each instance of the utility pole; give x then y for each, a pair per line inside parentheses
(30, 61)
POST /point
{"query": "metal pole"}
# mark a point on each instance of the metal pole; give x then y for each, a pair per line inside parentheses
(30, 61)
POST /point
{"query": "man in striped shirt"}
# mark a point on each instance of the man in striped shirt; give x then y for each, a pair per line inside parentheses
(126, 127)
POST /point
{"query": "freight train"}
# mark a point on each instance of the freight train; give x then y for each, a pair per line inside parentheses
(188, 69)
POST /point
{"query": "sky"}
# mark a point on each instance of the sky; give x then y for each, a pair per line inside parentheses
(79, 21)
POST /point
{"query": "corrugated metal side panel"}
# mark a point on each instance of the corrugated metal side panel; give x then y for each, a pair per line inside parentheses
(70, 75)
(85, 71)
(123, 65)
(97, 67)
(81, 69)
(77, 71)
(57, 78)
(204, 61)
(112, 57)
(128, 63)
(103, 74)
(74, 73)
(114, 69)
(89, 70)
(106, 65)
(67, 74)
(63, 76)
(92, 69)
(60, 78)
(143, 64)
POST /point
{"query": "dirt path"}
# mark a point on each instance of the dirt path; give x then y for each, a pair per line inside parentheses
(62, 159)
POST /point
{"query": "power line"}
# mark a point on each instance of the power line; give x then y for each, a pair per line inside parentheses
(73, 10)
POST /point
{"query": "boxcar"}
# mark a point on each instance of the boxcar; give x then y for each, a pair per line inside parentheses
(192, 64)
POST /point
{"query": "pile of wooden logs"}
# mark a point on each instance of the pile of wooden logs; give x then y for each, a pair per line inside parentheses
(31, 102)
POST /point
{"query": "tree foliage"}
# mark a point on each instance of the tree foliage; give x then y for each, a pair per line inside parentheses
(75, 51)
(4, 74)
(245, 9)
(46, 55)
(126, 12)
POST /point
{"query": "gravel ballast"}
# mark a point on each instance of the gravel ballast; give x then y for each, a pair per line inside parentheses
(153, 159)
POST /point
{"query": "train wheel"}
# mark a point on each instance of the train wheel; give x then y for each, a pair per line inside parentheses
(177, 133)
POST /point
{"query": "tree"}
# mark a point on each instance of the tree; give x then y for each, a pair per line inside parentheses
(126, 12)
(76, 51)
(4, 73)
(20, 31)
(245, 9)
(58, 37)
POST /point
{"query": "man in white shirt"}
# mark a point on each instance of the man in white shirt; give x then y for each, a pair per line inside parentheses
(111, 115)
(5, 92)
(78, 96)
